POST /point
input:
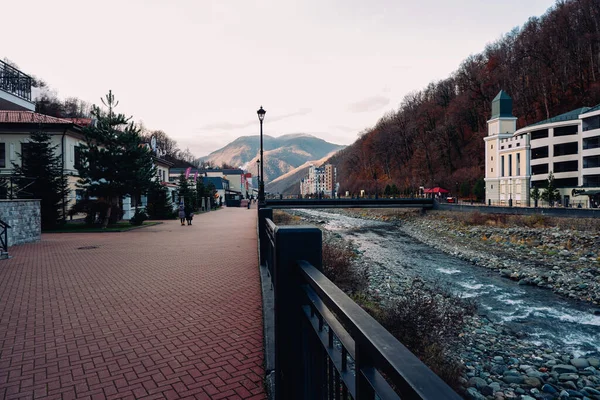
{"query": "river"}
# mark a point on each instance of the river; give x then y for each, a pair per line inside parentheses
(543, 318)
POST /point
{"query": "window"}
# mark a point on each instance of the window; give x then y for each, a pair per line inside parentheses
(565, 130)
(26, 149)
(492, 147)
(591, 180)
(539, 152)
(591, 162)
(591, 143)
(492, 158)
(510, 146)
(502, 163)
(565, 149)
(539, 169)
(492, 169)
(566, 182)
(77, 152)
(565, 166)
(591, 123)
(492, 186)
(2, 155)
(510, 165)
(542, 133)
(518, 164)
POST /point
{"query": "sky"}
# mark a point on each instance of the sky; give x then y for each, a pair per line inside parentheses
(200, 69)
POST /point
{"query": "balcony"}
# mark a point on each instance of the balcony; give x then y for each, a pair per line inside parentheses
(15, 89)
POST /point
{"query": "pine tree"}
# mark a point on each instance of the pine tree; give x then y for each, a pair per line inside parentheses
(115, 162)
(535, 195)
(40, 176)
(159, 203)
(187, 194)
(551, 193)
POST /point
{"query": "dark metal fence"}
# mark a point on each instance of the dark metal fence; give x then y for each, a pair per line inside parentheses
(4, 236)
(15, 187)
(15, 82)
(326, 346)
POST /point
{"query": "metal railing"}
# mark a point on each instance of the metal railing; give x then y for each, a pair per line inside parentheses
(423, 203)
(15, 186)
(326, 345)
(15, 82)
(4, 236)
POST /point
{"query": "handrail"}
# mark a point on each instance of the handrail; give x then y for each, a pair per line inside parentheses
(15, 82)
(413, 379)
(325, 343)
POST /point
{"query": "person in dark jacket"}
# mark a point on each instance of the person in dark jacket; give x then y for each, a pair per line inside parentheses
(189, 216)
(182, 214)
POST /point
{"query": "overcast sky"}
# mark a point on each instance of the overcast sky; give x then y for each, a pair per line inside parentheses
(200, 69)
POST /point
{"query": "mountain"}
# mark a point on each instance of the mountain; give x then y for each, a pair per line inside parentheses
(282, 154)
(549, 66)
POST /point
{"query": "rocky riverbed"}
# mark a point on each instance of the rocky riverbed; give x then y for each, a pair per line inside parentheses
(499, 362)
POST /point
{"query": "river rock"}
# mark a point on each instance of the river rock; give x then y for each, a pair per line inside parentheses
(547, 388)
(477, 382)
(568, 377)
(580, 363)
(591, 390)
(594, 362)
(563, 368)
(527, 398)
(513, 379)
(473, 394)
(531, 381)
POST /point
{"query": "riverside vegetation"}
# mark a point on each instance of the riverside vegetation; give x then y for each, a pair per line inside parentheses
(479, 358)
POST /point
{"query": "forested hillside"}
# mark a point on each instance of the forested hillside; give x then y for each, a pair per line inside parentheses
(549, 66)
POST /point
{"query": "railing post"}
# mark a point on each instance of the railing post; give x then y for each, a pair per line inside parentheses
(263, 214)
(292, 243)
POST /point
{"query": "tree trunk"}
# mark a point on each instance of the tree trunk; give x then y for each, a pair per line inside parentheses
(108, 213)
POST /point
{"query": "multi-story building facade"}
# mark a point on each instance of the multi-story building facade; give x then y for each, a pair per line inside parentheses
(568, 146)
(319, 181)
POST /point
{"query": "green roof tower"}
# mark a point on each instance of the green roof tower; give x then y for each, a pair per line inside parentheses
(502, 105)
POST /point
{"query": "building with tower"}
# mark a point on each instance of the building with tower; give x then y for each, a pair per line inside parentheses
(567, 145)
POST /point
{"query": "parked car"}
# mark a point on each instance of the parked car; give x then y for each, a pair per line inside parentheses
(451, 199)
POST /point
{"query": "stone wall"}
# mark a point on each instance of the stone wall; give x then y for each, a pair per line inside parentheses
(551, 212)
(24, 218)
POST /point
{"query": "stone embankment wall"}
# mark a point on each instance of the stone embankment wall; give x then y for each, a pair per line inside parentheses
(24, 218)
(550, 212)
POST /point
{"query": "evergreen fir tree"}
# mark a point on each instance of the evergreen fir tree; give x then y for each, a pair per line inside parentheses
(159, 203)
(535, 195)
(40, 176)
(551, 193)
(115, 162)
(187, 194)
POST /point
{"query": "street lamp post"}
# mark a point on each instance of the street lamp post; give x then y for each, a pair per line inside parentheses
(258, 174)
(261, 185)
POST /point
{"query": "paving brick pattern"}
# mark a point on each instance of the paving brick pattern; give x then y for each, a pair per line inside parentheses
(160, 312)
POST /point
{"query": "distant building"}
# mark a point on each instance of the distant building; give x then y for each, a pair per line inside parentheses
(567, 145)
(319, 181)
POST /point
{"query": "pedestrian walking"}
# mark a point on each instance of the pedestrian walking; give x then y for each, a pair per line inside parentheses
(182, 214)
(189, 216)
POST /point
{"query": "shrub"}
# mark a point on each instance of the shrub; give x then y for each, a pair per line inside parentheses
(339, 267)
(138, 218)
(428, 321)
(95, 212)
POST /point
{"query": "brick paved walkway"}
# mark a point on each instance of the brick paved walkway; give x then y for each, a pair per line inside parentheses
(160, 312)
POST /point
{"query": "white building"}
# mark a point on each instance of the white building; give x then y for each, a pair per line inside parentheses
(319, 181)
(568, 146)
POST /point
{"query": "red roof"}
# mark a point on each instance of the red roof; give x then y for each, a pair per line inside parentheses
(436, 189)
(29, 117)
(81, 121)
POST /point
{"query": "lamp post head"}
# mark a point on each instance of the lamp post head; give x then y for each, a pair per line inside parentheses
(261, 114)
